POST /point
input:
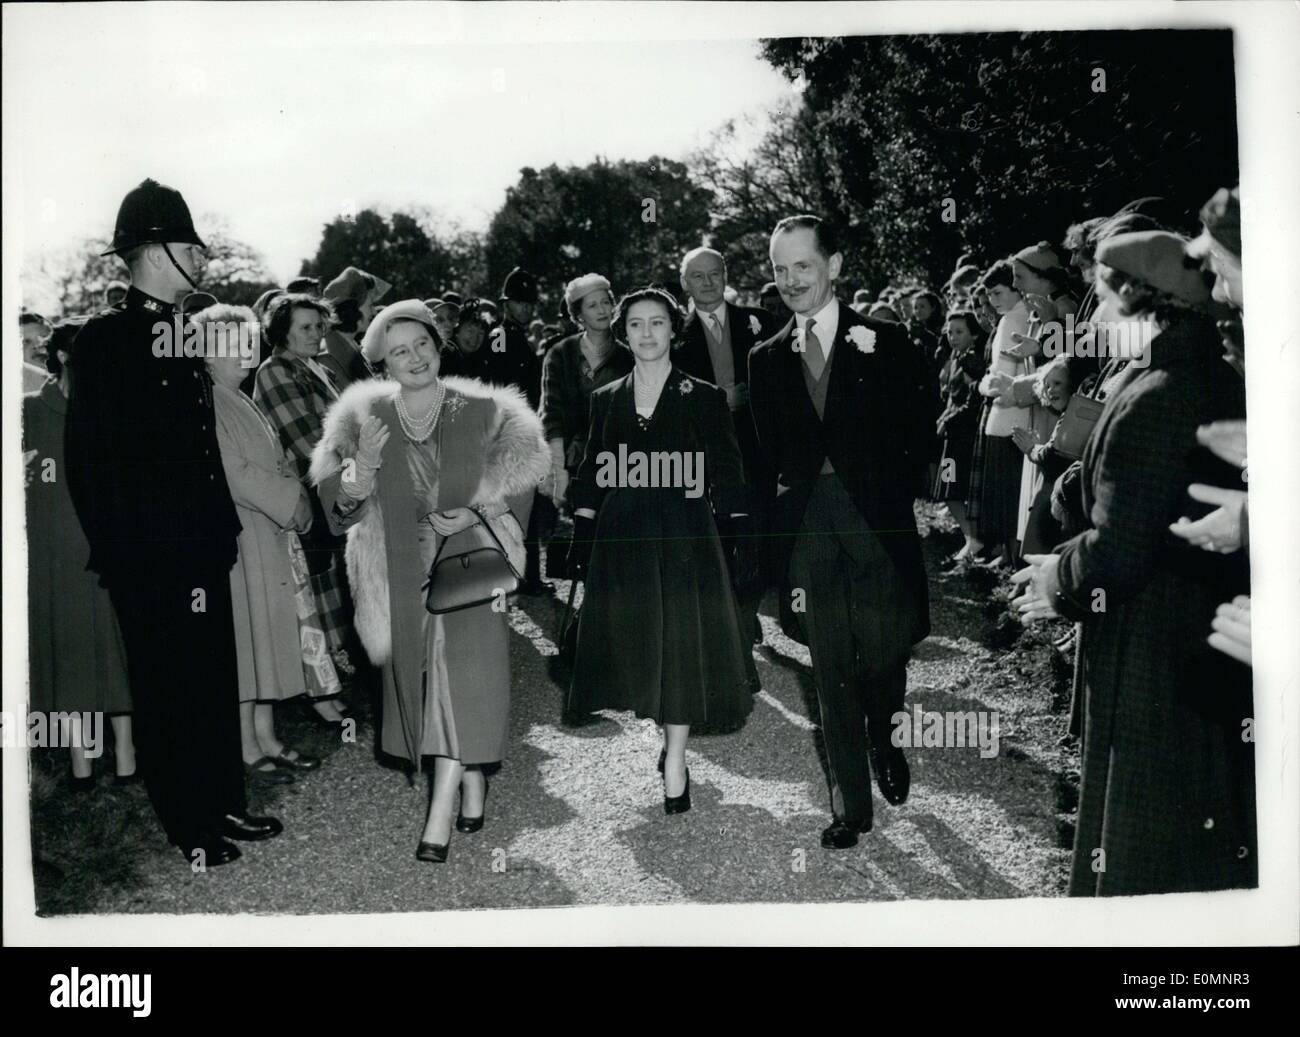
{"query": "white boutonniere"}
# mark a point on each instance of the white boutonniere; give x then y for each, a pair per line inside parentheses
(755, 325)
(686, 386)
(863, 338)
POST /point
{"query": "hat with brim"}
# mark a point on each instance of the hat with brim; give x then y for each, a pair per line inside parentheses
(1155, 257)
(356, 285)
(375, 342)
(1221, 222)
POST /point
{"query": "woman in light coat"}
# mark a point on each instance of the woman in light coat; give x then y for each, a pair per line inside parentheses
(279, 644)
(405, 460)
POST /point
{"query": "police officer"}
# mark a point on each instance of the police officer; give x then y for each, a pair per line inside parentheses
(513, 361)
(145, 475)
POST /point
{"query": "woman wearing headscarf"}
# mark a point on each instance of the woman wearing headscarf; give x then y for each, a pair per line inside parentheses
(405, 461)
(279, 646)
(1167, 796)
(573, 369)
(78, 661)
(294, 390)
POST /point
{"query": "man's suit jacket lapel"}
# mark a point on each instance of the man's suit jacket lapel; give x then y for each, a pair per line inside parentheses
(844, 370)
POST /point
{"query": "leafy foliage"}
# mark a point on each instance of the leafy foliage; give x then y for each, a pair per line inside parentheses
(402, 248)
(628, 220)
(1013, 129)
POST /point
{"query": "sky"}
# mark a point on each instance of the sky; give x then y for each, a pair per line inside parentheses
(278, 119)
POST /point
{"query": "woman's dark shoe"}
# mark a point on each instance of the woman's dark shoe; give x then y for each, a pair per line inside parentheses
(432, 853)
(81, 784)
(121, 780)
(679, 804)
(297, 762)
(473, 824)
(264, 771)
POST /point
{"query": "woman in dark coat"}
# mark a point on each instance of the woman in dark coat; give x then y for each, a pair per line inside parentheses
(78, 660)
(958, 424)
(574, 368)
(1167, 801)
(659, 632)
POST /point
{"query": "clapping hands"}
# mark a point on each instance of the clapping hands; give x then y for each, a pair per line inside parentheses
(1040, 586)
(1026, 439)
(1221, 529)
(1025, 346)
(1231, 625)
(1227, 440)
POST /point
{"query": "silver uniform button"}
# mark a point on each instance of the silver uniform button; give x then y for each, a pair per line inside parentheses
(1209, 823)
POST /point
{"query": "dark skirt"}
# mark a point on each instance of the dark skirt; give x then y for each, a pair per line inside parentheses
(1000, 492)
(953, 483)
(659, 633)
(978, 456)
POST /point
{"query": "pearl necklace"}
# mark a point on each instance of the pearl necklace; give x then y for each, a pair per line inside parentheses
(419, 431)
(647, 395)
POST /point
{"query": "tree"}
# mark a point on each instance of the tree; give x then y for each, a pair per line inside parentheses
(75, 278)
(629, 220)
(403, 248)
(754, 188)
(1013, 135)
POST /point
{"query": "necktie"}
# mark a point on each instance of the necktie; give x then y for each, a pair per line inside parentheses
(812, 347)
(711, 325)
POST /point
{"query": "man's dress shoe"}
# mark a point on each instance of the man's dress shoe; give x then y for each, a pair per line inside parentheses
(892, 773)
(211, 853)
(841, 835)
(250, 829)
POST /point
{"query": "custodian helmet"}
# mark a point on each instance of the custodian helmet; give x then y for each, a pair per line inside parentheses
(153, 214)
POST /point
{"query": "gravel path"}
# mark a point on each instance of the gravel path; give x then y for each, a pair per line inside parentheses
(575, 816)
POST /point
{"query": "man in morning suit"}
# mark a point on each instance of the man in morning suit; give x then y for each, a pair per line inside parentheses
(715, 345)
(838, 404)
(146, 479)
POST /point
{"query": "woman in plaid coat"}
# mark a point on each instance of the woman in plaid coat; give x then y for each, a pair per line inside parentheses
(294, 390)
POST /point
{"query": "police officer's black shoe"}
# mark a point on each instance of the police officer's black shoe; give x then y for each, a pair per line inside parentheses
(536, 587)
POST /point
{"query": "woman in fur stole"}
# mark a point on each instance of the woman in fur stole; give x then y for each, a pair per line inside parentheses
(404, 461)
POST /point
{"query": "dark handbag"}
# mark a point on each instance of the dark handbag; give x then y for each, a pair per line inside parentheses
(471, 568)
(1076, 425)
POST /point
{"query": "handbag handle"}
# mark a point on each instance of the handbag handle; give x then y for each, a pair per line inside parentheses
(490, 532)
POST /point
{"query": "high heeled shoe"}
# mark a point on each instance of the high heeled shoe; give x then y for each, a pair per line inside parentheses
(679, 804)
(432, 853)
(473, 824)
